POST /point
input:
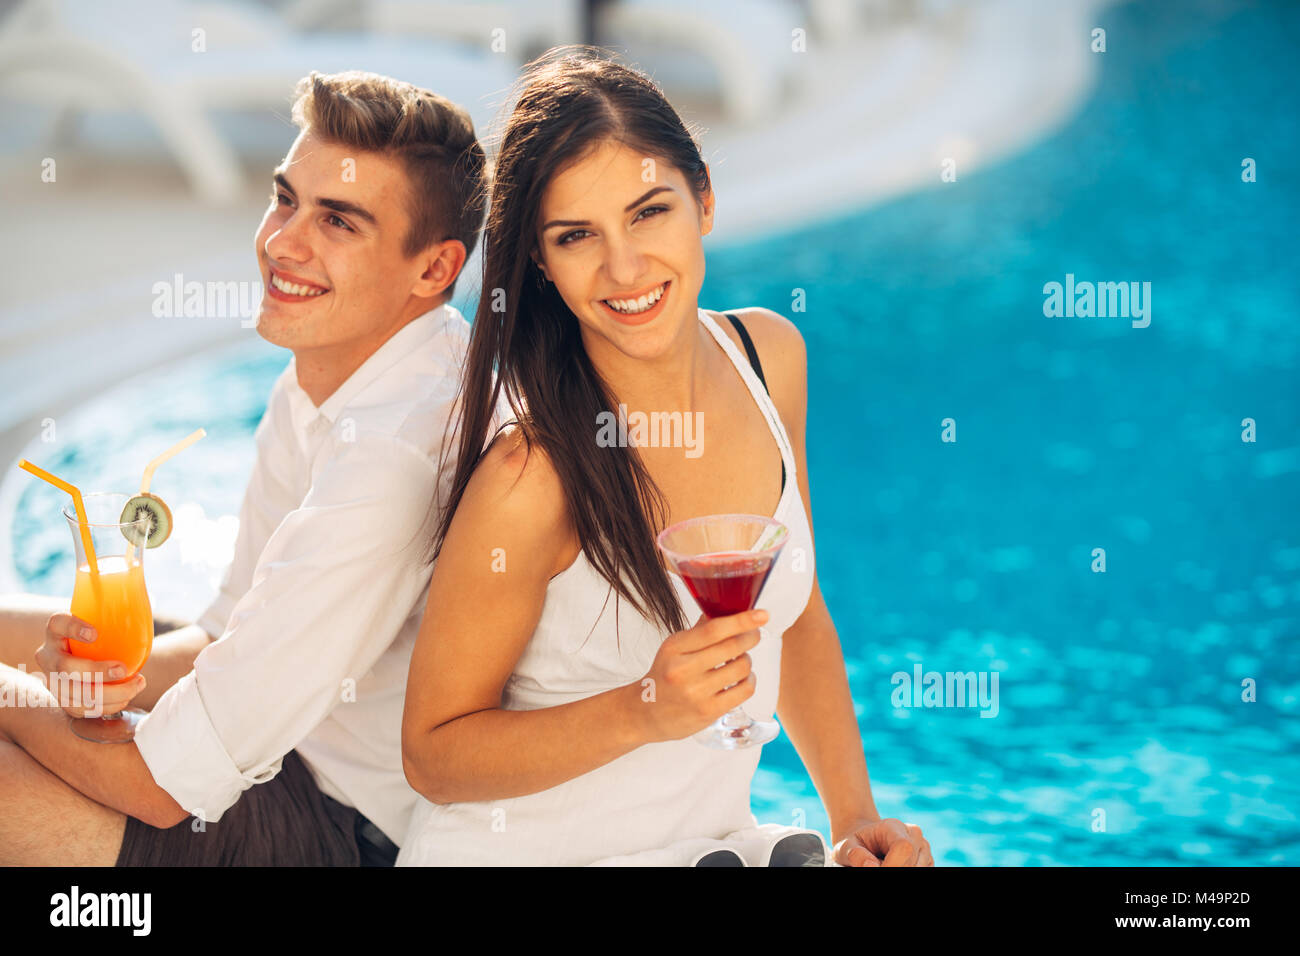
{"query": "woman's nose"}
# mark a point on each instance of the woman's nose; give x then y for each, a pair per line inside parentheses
(624, 262)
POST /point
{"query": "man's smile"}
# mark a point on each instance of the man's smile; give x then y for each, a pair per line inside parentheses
(290, 288)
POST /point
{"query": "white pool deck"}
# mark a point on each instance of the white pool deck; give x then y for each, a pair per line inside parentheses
(872, 117)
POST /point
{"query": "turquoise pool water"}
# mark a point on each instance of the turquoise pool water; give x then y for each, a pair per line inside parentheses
(1121, 736)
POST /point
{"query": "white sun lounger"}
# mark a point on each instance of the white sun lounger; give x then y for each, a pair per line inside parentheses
(749, 45)
(145, 55)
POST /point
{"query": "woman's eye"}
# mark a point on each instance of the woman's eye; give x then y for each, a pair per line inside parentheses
(564, 239)
(651, 209)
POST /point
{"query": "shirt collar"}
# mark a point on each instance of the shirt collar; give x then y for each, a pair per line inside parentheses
(307, 416)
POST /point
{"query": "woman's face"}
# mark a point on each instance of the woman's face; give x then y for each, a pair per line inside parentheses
(620, 238)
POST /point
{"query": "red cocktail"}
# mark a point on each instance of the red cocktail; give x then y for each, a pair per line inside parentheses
(726, 583)
(725, 560)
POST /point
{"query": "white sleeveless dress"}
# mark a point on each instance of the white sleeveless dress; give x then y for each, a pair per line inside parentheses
(663, 803)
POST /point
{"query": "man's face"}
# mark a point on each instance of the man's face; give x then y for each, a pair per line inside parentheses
(330, 248)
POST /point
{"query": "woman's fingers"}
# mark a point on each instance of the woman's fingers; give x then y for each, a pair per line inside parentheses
(735, 696)
(728, 649)
(710, 631)
(720, 678)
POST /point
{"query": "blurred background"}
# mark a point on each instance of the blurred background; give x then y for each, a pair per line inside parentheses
(902, 178)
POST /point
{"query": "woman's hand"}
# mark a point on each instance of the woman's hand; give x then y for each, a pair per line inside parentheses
(72, 679)
(887, 842)
(690, 684)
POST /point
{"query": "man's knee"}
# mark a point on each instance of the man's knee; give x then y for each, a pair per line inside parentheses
(22, 626)
(44, 821)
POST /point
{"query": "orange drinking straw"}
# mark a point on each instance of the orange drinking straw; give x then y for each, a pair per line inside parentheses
(176, 449)
(76, 503)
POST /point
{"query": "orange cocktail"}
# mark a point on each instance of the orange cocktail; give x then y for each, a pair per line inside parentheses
(109, 594)
(110, 534)
(118, 608)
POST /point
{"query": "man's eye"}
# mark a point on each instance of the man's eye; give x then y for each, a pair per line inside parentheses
(339, 223)
(278, 198)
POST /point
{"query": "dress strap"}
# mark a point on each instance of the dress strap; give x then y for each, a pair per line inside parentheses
(752, 373)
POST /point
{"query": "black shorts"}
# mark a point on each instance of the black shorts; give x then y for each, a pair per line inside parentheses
(286, 821)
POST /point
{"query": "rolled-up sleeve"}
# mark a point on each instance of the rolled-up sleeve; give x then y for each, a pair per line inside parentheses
(334, 584)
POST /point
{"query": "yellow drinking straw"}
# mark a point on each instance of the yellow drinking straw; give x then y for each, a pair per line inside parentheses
(176, 449)
(76, 503)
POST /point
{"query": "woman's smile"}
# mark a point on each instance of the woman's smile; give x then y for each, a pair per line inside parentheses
(639, 309)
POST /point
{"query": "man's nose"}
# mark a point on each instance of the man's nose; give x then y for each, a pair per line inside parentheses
(289, 241)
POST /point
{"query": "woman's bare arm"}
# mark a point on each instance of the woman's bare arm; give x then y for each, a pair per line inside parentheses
(814, 703)
(509, 536)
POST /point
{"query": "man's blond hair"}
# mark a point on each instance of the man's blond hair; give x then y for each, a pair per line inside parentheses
(432, 136)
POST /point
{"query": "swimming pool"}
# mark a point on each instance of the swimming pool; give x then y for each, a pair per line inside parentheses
(1119, 692)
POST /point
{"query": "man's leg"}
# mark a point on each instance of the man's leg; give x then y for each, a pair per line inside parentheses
(22, 627)
(45, 822)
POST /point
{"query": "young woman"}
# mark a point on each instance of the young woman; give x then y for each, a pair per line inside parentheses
(560, 670)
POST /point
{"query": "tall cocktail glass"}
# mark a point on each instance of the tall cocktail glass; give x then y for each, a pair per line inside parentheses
(114, 602)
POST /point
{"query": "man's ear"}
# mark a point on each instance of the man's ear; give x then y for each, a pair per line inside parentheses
(442, 263)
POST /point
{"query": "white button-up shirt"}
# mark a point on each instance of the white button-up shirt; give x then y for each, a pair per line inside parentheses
(319, 609)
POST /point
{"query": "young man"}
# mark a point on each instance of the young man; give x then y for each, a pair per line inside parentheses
(275, 730)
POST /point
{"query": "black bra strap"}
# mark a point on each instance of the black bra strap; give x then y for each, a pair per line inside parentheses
(752, 352)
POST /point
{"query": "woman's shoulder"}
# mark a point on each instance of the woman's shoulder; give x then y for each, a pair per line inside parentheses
(781, 351)
(517, 489)
(769, 327)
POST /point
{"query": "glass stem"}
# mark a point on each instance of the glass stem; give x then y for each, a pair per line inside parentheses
(736, 717)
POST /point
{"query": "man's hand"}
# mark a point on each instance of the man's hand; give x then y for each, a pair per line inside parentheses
(73, 679)
(884, 843)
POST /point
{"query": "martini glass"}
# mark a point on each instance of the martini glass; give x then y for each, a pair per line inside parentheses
(725, 560)
(114, 602)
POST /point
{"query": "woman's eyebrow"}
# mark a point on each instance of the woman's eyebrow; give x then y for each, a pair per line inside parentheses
(628, 208)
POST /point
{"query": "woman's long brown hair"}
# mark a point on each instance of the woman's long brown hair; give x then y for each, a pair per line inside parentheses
(526, 341)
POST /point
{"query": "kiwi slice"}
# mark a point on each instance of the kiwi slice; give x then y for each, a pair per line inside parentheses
(159, 515)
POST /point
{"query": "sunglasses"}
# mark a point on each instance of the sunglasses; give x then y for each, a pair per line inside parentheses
(797, 849)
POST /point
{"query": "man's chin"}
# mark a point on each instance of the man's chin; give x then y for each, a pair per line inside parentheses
(273, 326)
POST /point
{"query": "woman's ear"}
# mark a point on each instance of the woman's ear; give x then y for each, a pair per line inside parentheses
(707, 203)
(538, 262)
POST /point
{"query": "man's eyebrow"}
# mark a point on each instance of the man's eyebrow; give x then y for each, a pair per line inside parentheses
(628, 208)
(338, 205)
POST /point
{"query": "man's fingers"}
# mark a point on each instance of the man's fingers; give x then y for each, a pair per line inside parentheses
(65, 625)
(80, 668)
(82, 691)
